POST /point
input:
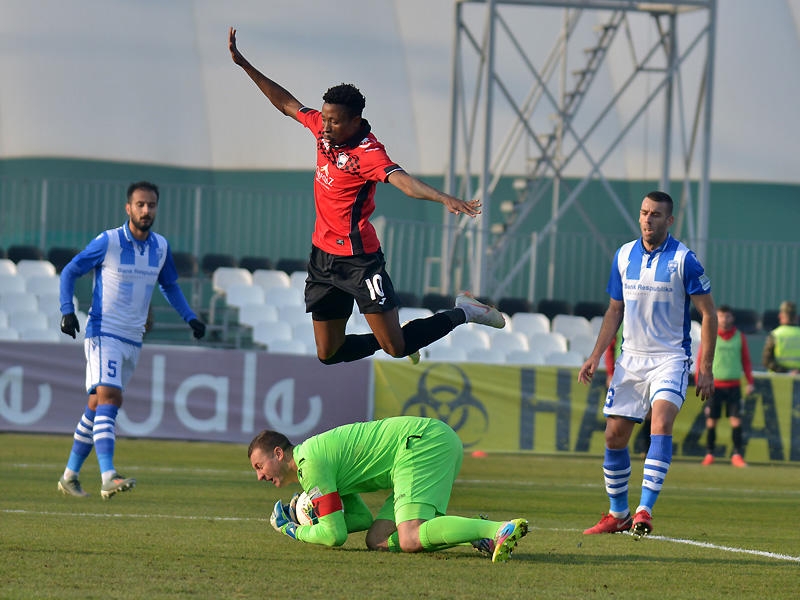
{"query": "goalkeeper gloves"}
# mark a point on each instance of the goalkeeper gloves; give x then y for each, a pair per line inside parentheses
(281, 520)
(293, 508)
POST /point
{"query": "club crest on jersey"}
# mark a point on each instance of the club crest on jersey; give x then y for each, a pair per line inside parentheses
(672, 266)
(341, 160)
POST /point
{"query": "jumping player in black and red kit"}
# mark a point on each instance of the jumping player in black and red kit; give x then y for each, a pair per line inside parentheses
(346, 261)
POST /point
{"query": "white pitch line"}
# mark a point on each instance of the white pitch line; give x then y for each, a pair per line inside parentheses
(708, 545)
(122, 515)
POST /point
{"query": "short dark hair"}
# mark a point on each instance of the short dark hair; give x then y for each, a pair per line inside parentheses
(267, 441)
(657, 196)
(724, 308)
(142, 185)
(347, 95)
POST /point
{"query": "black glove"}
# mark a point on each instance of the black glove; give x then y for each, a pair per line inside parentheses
(198, 328)
(70, 325)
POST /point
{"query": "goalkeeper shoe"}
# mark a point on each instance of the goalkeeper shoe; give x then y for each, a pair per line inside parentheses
(507, 537)
(610, 524)
(71, 487)
(117, 483)
(478, 312)
(642, 524)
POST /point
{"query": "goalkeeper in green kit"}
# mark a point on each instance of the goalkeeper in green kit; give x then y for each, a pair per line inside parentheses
(416, 459)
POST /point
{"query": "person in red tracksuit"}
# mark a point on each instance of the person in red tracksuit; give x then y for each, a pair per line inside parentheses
(731, 362)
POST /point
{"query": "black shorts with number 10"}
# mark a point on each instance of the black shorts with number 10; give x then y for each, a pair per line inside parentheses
(333, 283)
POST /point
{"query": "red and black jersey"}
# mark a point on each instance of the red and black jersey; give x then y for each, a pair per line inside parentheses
(344, 188)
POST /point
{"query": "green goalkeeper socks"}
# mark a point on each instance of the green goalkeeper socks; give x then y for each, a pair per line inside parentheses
(447, 531)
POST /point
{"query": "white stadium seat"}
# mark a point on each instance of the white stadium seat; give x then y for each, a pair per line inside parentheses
(42, 284)
(468, 339)
(26, 320)
(239, 294)
(564, 359)
(8, 334)
(530, 323)
(270, 278)
(410, 313)
(224, 277)
(250, 314)
(489, 356)
(290, 347)
(30, 268)
(547, 342)
(506, 341)
(40, 335)
(270, 333)
(11, 282)
(13, 301)
(7, 267)
(583, 345)
(445, 354)
(284, 297)
(571, 326)
(298, 280)
(525, 357)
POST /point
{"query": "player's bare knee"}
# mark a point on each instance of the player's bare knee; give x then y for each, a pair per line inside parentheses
(410, 545)
(395, 350)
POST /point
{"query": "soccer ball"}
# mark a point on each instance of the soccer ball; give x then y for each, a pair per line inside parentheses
(304, 510)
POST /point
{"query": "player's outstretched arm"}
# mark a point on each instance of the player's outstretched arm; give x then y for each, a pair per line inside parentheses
(415, 188)
(279, 96)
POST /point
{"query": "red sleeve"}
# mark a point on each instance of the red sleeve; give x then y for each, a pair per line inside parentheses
(374, 162)
(610, 358)
(747, 365)
(310, 118)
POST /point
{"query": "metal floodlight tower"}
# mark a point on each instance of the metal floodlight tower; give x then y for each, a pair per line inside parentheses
(478, 158)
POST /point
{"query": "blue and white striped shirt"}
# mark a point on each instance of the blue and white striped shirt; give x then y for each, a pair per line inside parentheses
(125, 273)
(655, 287)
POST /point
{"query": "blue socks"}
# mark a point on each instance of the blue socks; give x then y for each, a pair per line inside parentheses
(81, 445)
(656, 465)
(105, 438)
(617, 473)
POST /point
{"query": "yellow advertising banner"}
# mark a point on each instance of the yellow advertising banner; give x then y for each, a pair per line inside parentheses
(545, 410)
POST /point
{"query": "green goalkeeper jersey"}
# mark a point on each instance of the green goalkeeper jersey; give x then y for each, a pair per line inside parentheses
(355, 458)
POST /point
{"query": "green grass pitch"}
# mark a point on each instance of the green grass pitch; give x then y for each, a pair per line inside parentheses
(196, 526)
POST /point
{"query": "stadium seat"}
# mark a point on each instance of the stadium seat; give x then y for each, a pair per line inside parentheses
(11, 282)
(8, 334)
(213, 261)
(571, 326)
(27, 320)
(224, 277)
(40, 335)
(583, 345)
(7, 267)
(279, 296)
(588, 310)
(511, 306)
(25, 252)
(508, 341)
(409, 313)
(547, 342)
(436, 302)
(408, 300)
(530, 323)
(269, 333)
(61, 256)
(747, 320)
(254, 263)
(524, 357)
(14, 301)
(563, 359)
(596, 323)
(290, 265)
(3, 318)
(769, 321)
(251, 314)
(296, 347)
(239, 294)
(551, 307)
(489, 356)
(185, 264)
(439, 353)
(463, 337)
(304, 331)
(293, 314)
(30, 268)
(43, 285)
(269, 278)
(297, 279)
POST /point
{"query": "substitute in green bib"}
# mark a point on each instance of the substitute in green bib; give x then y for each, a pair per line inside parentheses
(731, 363)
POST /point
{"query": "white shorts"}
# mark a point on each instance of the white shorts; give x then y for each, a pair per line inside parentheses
(109, 362)
(640, 380)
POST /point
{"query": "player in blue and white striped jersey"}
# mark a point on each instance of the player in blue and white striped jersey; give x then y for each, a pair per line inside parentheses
(653, 280)
(128, 263)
